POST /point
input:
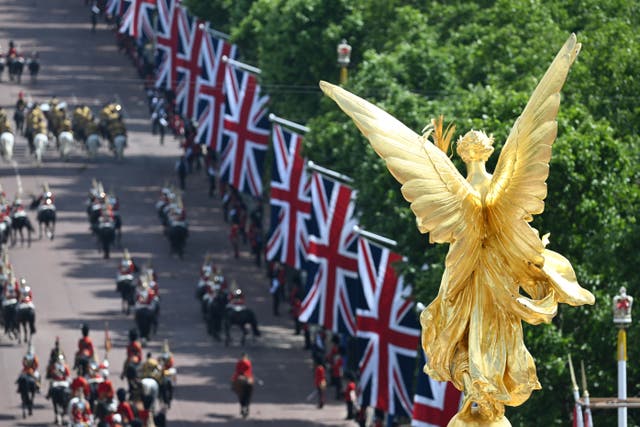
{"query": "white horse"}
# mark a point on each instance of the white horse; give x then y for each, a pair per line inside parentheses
(65, 141)
(6, 145)
(40, 142)
(118, 146)
(93, 142)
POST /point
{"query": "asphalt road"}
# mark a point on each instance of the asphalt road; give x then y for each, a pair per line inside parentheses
(73, 284)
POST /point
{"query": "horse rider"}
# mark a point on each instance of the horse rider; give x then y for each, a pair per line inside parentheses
(11, 294)
(25, 293)
(127, 266)
(242, 382)
(85, 353)
(57, 372)
(55, 352)
(80, 410)
(21, 104)
(80, 384)
(151, 368)
(5, 125)
(134, 352)
(46, 198)
(106, 391)
(237, 300)
(13, 51)
(30, 365)
(17, 209)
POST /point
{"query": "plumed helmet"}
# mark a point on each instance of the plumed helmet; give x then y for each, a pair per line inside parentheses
(237, 293)
(23, 281)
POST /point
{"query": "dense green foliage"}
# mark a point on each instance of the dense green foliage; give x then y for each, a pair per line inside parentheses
(477, 62)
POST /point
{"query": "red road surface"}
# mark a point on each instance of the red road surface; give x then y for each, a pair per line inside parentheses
(73, 284)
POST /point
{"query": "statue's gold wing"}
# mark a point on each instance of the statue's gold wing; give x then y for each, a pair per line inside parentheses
(519, 182)
(518, 186)
(445, 204)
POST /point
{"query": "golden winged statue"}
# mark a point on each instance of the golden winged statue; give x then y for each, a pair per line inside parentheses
(497, 271)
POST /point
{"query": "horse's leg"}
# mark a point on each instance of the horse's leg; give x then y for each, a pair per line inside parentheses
(40, 230)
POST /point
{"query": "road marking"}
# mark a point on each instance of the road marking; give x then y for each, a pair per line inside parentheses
(17, 172)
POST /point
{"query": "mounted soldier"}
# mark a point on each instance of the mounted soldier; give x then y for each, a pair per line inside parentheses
(85, 353)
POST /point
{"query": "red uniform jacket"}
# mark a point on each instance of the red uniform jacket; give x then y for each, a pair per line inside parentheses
(243, 367)
(85, 347)
(125, 410)
(320, 379)
(80, 383)
(105, 390)
(134, 349)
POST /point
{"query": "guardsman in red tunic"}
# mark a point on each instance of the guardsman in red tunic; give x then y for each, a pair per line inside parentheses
(105, 388)
(320, 382)
(80, 409)
(134, 352)
(57, 372)
(80, 383)
(85, 353)
(30, 365)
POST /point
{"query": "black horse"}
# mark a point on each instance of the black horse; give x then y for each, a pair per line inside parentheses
(60, 397)
(18, 118)
(27, 390)
(146, 319)
(215, 313)
(5, 232)
(19, 222)
(26, 320)
(106, 234)
(177, 233)
(243, 388)
(127, 289)
(9, 319)
(34, 68)
(46, 220)
(16, 66)
(241, 317)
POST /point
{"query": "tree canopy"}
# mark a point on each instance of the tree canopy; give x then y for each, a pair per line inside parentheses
(477, 62)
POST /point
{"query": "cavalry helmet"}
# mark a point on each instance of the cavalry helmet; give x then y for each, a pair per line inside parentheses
(237, 293)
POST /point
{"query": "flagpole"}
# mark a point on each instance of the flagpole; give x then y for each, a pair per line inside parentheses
(214, 33)
(579, 420)
(328, 172)
(585, 395)
(288, 123)
(375, 237)
(241, 65)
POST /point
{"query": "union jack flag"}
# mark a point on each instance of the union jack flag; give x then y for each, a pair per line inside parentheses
(290, 200)
(435, 402)
(137, 20)
(187, 62)
(388, 330)
(333, 286)
(114, 8)
(209, 110)
(245, 136)
(167, 37)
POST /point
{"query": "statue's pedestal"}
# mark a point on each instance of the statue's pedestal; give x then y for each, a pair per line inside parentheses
(471, 421)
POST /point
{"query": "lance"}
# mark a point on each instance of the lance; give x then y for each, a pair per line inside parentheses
(585, 395)
(579, 421)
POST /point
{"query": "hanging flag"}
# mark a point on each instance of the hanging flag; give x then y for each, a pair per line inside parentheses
(389, 331)
(114, 8)
(187, 62)
(333, 287)
(435, 402)
(209, 103)
(170, 17)
(290, 200)
(245, 135)
(137, 20)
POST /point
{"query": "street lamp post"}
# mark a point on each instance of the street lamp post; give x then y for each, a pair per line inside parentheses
(344, 57)
(622, 319)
